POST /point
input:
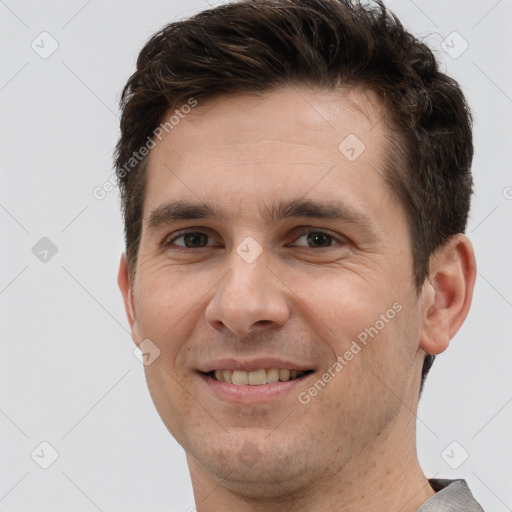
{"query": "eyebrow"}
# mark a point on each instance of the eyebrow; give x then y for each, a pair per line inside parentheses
(172, 211)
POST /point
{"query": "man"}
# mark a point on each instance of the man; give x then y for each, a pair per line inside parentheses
(295, 182)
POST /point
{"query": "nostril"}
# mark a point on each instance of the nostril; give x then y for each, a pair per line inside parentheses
(263, 322)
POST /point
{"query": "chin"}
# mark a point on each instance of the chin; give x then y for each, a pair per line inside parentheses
(274, 470)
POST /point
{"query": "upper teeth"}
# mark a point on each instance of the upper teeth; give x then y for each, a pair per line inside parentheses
(257, 377)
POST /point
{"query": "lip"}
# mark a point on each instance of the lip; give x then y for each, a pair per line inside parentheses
(250, 365)
(253, 394)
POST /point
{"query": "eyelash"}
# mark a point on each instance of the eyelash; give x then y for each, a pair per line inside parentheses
(169, 242)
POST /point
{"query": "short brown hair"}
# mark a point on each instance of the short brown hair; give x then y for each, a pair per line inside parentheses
(259, 45)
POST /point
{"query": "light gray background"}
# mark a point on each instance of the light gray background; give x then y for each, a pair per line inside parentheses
(68, 373)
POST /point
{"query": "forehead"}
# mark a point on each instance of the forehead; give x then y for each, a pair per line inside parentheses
(286, 143)
(289, 111)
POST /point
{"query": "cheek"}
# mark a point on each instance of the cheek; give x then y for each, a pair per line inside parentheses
(342, 303)
(370, 325)
(167, 309)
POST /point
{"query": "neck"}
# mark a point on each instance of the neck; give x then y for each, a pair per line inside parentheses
(385, 475)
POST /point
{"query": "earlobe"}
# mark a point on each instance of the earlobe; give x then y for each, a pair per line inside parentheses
(447, 294)
(123, 281)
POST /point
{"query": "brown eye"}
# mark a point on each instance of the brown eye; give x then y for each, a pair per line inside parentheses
(191, 240)
(319, 239)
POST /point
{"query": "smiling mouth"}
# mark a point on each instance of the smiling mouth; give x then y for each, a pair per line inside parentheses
(256, 377)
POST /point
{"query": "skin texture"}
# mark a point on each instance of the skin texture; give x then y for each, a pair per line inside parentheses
(353, 445)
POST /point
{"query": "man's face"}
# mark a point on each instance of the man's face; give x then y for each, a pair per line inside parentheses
(292, 291)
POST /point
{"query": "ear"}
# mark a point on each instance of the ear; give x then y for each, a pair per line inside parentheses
(123, 281)
(447, 294)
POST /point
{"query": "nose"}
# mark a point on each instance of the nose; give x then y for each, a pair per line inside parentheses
(250, 297)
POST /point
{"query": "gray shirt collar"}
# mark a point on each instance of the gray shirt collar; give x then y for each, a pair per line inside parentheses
(450, 496)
